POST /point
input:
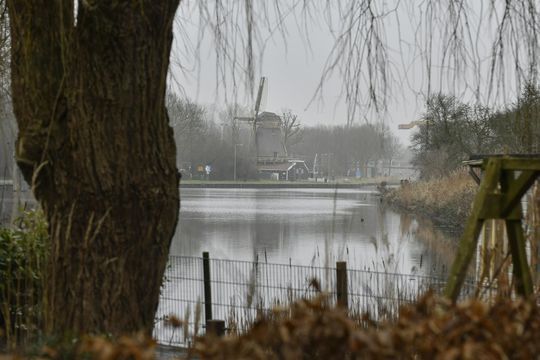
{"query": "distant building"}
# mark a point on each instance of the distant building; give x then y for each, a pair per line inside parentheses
(289, 170)
(272, 160)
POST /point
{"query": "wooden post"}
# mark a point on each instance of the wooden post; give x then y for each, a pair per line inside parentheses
(469, 239)
(520, 267)
(207, 287)
(341, 285)
(516, 238)
(515, 176)
(215, 327)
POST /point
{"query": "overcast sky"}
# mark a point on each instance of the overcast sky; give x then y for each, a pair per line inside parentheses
(293, 68)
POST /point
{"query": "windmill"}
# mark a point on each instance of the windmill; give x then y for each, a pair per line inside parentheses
(266, 127)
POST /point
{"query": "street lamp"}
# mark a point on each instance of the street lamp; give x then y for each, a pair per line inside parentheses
(235, 145)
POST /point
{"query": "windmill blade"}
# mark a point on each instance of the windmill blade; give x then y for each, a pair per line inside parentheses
(264, 96)
(256, 114)
(260, 94)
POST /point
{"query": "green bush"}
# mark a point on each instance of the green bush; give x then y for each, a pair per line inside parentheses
(22, 258)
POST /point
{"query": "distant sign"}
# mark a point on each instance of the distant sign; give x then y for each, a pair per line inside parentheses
(208, 169)
(200, 168)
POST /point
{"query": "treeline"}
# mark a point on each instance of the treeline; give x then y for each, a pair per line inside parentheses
(450, 131)
(340, 149)
(210, 137)
(207, 136)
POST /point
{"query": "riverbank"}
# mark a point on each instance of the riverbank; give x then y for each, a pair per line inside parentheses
(445, 201)
(268, 184)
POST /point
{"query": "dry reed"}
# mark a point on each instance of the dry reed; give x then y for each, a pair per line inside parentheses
(446, 201)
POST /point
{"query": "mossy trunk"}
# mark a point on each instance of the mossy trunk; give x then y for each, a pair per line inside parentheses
(95, 143)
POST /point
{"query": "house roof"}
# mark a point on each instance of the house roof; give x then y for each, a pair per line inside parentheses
(275, 167)
(285, 166)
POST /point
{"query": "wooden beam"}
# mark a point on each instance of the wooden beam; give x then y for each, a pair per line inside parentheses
(522, 164)
(520, 266)
(516, 189)
(514, 229)
(469, 238)
(492, 208)
(492, 203)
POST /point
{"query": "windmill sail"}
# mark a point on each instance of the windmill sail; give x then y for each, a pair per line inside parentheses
(256, 113)
(261, 96)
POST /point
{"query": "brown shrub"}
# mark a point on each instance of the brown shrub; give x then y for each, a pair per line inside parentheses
(431, 328)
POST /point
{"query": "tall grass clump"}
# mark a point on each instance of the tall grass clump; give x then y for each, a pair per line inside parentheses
(446, 200)
(22, 258)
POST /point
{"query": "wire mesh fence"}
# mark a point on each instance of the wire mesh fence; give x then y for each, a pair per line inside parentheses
(238, 292)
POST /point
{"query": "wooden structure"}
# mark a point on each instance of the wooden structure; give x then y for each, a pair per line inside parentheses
(269, 139)
(267, 132)
(504, 182)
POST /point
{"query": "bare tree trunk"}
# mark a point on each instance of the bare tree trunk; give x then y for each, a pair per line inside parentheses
(95, 144)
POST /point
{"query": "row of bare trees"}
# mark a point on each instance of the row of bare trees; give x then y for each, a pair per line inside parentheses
(347, 147)
(207, 136)
(203, 141)
(451, 131)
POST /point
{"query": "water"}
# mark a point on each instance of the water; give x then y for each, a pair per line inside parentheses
(302, 227)
(307, 227)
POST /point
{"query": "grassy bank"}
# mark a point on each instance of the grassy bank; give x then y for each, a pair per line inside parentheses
(446, 201)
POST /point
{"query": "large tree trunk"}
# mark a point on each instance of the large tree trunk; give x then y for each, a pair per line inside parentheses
(95, 144)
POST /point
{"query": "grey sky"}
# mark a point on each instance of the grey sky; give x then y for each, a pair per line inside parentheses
(294, 68)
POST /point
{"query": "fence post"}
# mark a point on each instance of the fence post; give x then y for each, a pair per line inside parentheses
(215, 327)
(341, 284)
(207, 287)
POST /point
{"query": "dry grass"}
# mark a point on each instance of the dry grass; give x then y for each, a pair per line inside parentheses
(23, 253)
(134, 347)
(432, 328)
(446, 201)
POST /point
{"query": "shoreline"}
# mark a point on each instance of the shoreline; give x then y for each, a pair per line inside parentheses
(281, 185)
(444, 201)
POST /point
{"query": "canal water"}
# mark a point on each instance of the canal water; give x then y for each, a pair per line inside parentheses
(315, 227)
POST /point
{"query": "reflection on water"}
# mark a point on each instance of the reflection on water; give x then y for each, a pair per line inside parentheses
(439, 247)
(306, 227)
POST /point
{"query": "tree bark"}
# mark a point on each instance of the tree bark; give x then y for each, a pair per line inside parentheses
(96, 145)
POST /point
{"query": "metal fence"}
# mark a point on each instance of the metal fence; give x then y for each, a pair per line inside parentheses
(198, 289)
